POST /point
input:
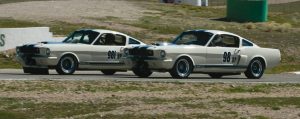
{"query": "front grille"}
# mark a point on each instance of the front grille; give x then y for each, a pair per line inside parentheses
(29, 50)
(140, 51)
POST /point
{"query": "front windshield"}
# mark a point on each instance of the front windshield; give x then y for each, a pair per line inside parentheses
(84, 37)
(193, 38)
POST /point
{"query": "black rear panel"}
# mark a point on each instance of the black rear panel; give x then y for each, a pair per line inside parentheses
(140, 51)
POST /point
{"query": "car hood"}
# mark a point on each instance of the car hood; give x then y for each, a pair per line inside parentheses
(55, 45)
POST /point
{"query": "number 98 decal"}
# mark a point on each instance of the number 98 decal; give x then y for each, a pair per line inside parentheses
(227, 57)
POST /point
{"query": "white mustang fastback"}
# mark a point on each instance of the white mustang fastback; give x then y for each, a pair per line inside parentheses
(83, 50)
(216, 53)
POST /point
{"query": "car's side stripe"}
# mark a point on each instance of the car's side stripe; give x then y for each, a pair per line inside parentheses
(103, 63)
(220, 66)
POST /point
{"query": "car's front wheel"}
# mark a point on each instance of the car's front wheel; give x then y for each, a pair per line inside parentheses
(41, 71)
(182, 68)
(108, 72)
(255, 69)
(67, 65)
(142, 70)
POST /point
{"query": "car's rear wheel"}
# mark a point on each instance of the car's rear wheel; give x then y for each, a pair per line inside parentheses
(182, 68)
(42, 71)
(215, 75)
(67, 65)
(255, 69)
(108, 72)
(141, 70)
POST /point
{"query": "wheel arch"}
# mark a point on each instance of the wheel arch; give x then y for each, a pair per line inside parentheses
(185, 56)
(71, 54)
(264, 61)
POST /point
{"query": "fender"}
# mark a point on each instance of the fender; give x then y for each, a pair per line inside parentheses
(69, 53)
(259, 56)
(184, 55)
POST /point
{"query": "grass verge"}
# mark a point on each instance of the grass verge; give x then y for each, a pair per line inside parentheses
(8, 62)
(273, 102)
(101, 99)
(26, 108)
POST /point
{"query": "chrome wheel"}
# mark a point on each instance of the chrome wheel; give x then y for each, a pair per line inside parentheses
(256, 68)
(182, 67)
(141, 70)
(67, 65)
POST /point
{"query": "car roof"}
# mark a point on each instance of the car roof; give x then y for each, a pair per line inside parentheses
(223, 32)
(109, 31)
(103, 30)
(216, 32)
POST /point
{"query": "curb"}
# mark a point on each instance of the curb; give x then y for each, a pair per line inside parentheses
(298, 73)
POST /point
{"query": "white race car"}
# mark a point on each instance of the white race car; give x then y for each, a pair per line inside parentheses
(84, 50)
(213, 52)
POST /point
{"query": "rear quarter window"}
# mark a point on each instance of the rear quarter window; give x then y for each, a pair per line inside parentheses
(246, 43)
(132, 41)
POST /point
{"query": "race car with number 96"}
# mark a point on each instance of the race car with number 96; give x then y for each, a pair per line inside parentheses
(87, 49)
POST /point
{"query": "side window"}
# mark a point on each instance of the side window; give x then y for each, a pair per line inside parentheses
(246, 43)
(105, 39)
(132, 41)
(120, 40)
(225, 41)
(215, 41)
(86, 39)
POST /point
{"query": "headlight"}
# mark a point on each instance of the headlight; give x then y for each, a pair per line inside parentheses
(17, 50)
(126, 51)
(48, 52)
(162, 53)
(150, 53)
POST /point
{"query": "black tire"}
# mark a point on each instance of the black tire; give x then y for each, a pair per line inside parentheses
(182, 68)
(67, 65)
(141, 70)
(40, 71)
(215, 75)
(255, 69)
(108, 72)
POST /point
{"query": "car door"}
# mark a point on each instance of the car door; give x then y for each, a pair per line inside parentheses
(223, 53)
(107, 51)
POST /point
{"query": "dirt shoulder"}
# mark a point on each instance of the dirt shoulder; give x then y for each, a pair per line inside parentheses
(280, 1)
(105, 99)
(70, 10)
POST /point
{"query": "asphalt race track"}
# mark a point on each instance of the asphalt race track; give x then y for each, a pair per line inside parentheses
(17, 74)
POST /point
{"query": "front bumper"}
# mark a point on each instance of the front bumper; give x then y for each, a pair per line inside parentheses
(37, 61)
(153, 63)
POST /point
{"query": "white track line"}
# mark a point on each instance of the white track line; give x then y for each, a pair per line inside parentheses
(297, 72)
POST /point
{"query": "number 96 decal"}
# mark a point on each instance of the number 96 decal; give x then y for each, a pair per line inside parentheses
(113, 55)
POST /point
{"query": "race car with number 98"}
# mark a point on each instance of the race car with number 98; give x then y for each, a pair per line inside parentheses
(213, 52)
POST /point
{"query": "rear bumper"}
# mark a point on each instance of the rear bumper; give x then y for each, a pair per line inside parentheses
(153, 63)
